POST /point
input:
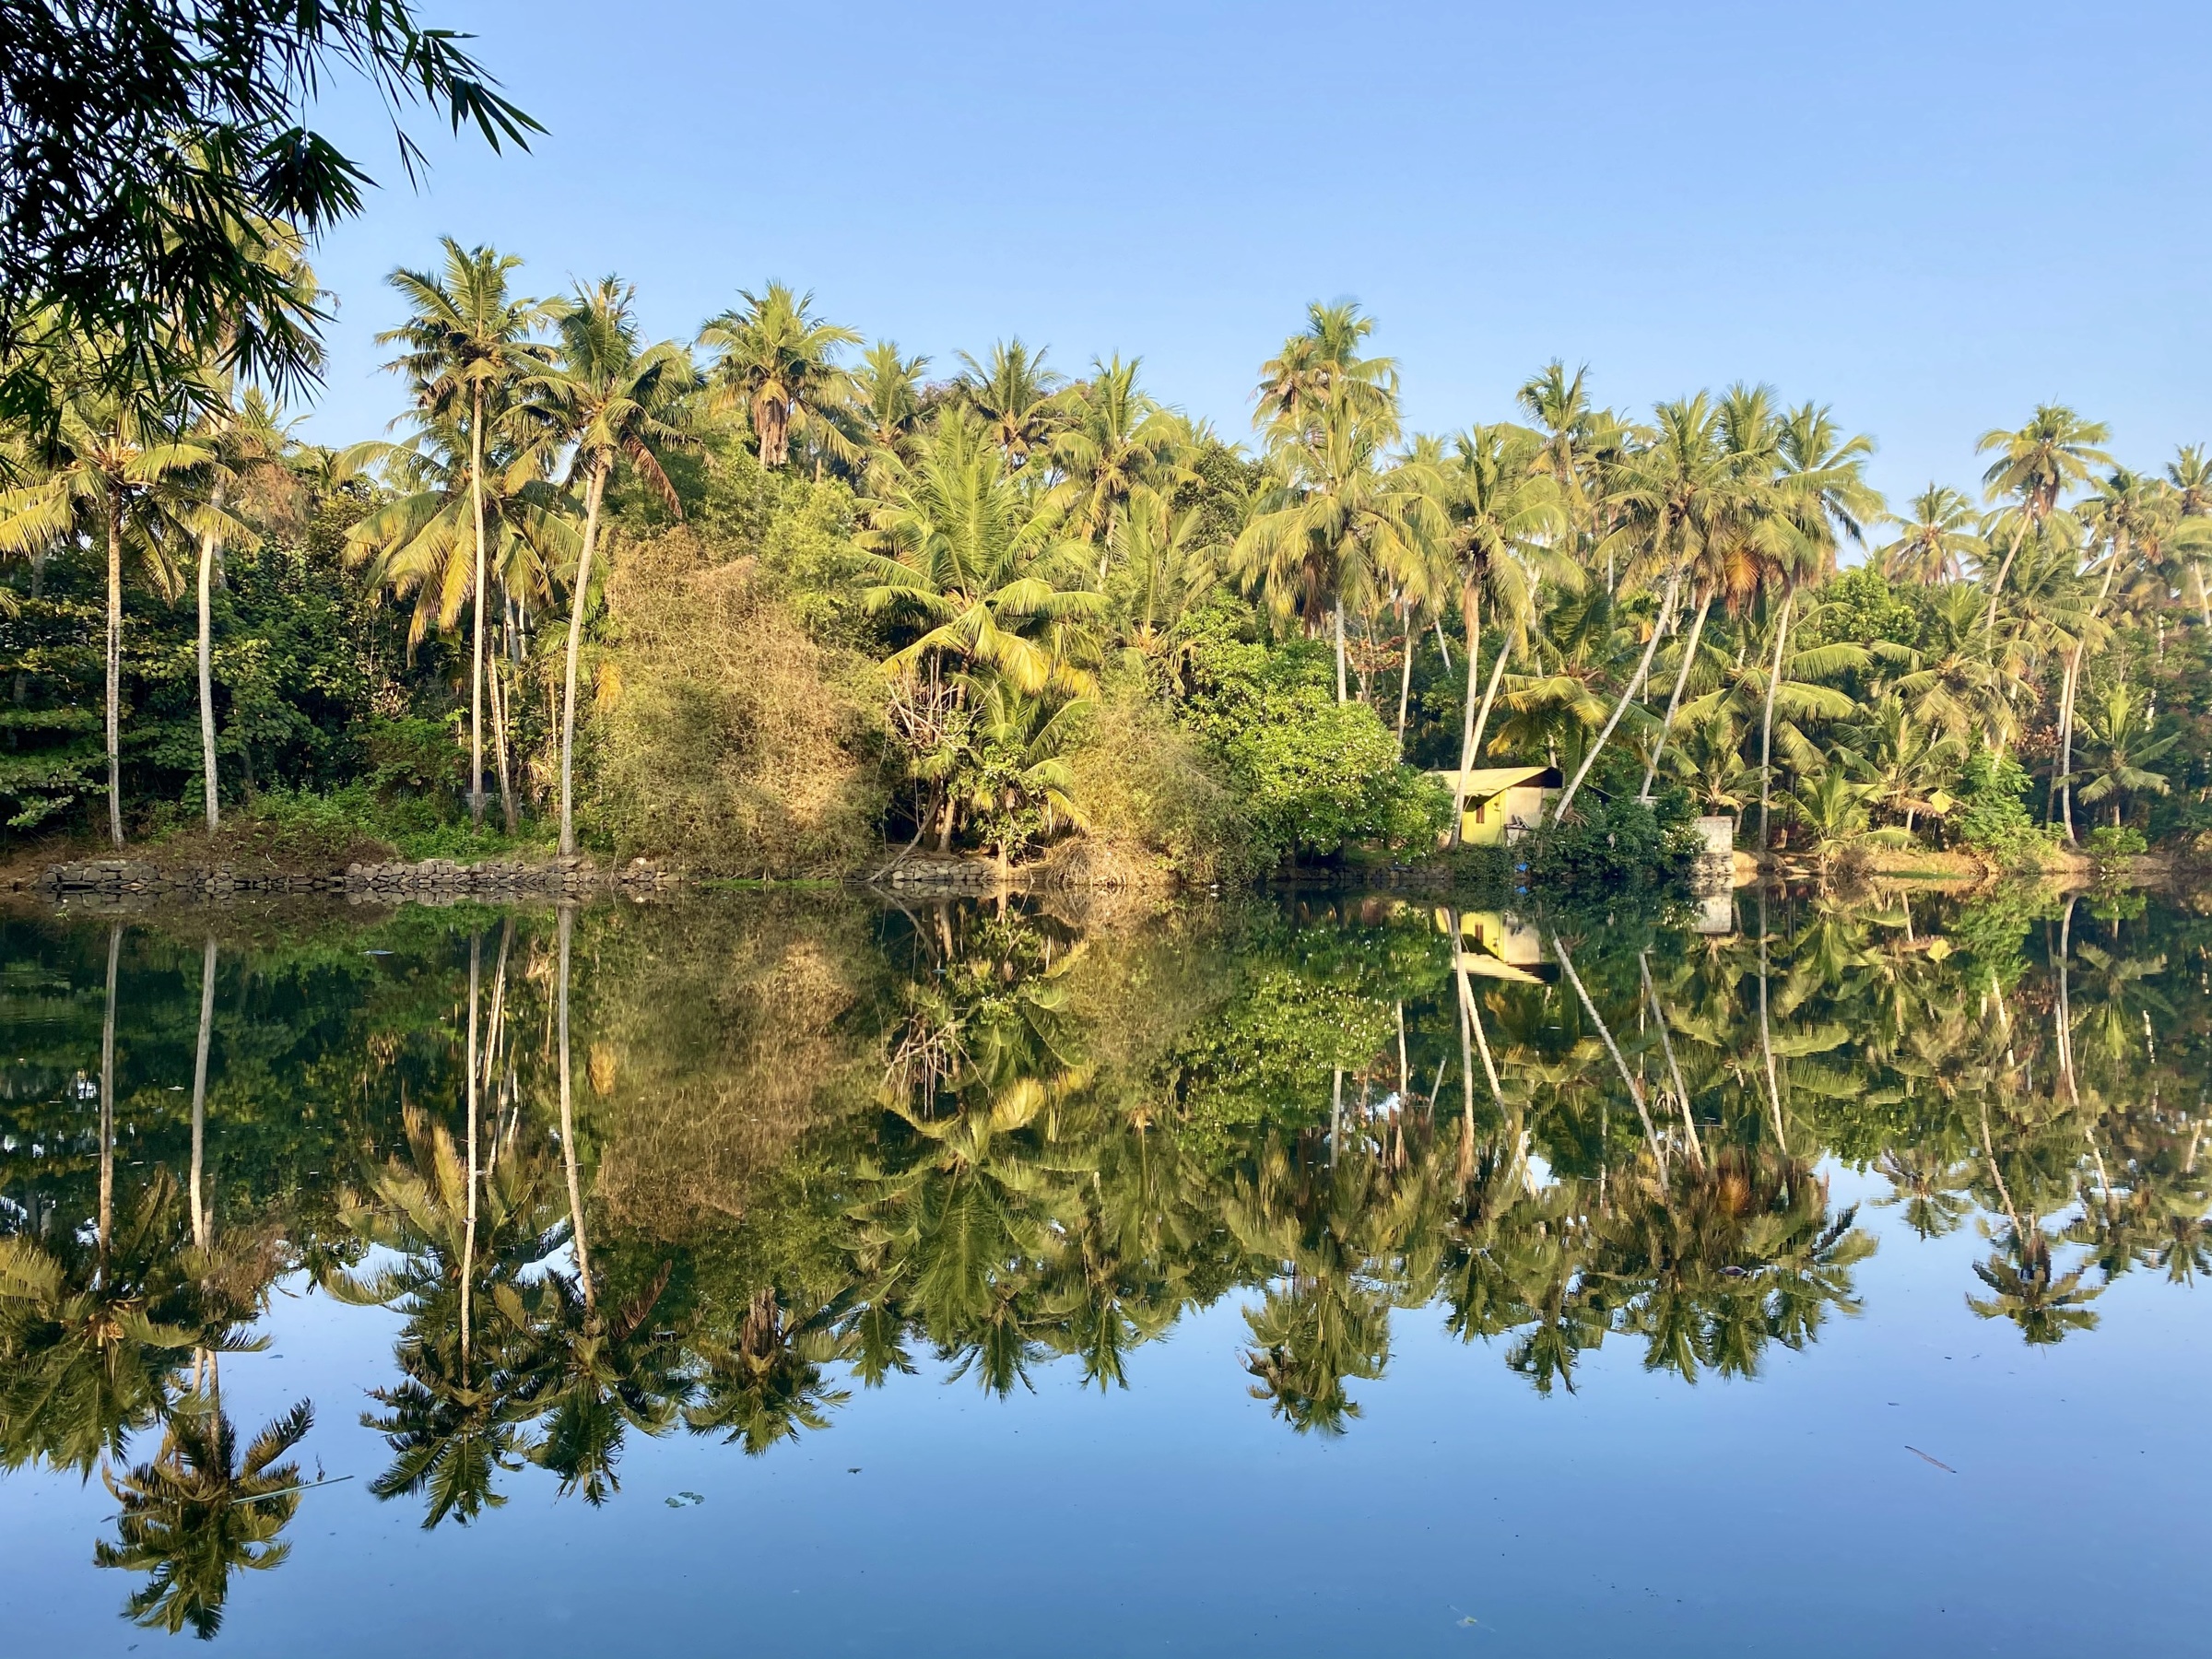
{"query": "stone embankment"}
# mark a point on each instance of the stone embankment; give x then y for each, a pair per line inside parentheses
(433, 881)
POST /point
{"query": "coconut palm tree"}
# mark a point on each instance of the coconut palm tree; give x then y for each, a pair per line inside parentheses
(2190, 472)
(606, 402)
(106, 472)
(2035, 466)
(1504, 520)
(1320, 368)
(464, 347)
(777, 361)
(1015, 396)
(2119, 735)
(249, 466)
(1116, 444)
(200, 1511)
(1935, 541)
(888, 395)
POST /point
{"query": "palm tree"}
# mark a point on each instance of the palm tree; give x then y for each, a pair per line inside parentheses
(465, 345)
(1017, 398)
(1503, 516)
(102, 470)
(887, 395)
(605, 401)
(2190, 472)
(2036, 465)
(778, 362)
(1933, 541)
(1117, 442)
(200, 1511)
(249, 466)
(1339, 517)
(2119, 730)
(1320, 368)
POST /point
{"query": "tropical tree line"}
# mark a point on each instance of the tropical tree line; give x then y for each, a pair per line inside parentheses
(1080, 611)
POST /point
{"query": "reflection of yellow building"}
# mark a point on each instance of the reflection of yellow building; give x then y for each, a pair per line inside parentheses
(1504, 946)
(1503, 803)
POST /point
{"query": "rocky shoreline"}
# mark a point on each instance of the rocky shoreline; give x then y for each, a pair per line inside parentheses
(431, 880)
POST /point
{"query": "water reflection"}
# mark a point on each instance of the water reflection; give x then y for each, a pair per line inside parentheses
(707, 1168)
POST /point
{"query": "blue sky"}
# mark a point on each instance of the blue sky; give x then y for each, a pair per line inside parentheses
(1931, 215)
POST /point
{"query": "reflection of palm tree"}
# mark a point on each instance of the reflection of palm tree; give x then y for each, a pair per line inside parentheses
(2045, 1306)
(767, 1386)
(1929, 1183)
(199, 1512)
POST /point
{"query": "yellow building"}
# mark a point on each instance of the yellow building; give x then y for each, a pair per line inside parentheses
(1494, 945)
(1503, 803)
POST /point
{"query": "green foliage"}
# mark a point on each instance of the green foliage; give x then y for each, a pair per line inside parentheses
(2117, 841)
(1616, 843)
(1994, 818)
(1314, 778)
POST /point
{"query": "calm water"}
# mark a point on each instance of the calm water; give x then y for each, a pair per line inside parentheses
(973, 1282)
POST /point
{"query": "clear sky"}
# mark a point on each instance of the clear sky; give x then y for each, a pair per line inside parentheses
(1930, 215)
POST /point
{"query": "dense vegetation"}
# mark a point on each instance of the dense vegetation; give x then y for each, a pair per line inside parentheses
(776, 603)
(703, 1170)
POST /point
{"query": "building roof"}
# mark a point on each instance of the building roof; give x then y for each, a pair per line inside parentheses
(1490, 780)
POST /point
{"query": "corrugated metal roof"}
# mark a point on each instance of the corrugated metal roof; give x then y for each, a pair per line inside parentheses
(1490, 780)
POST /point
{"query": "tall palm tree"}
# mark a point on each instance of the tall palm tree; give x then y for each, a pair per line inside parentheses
(605, 401)
(777, 361)
(2035, 466)
(1322, 368)
(1117, 441)
(249, 466)
(1504, 518)
(1015, 396)
(465, 345)
(104, 470)
(2190, 472)
(1933, 541)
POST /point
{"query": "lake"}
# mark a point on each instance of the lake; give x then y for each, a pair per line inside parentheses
(772, 1272)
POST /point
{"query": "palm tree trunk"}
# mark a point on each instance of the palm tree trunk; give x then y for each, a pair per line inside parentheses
(2063, 781)
(107, 1099)
(468, 1236)
(475, 655)
(1766, 1029)
(1466, 1058)
(1674, 702)
(1766, 723)
(1443, 650)
(1471, 606)
(593, 493)
(1627, 694)
(2204, 594)
(499, 744)
(1667, 1042)
(1342, 696)
(211, 549)
(115, 668)
(1996, 588)
(199, 1094)
(567, 1123)
(1628, 1079)
(1406, 677)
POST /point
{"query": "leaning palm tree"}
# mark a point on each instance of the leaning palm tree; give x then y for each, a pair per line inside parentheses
(103, 471)
(200, 1511)
(777, 361)
(464, 346)
(604, 402)
(2035, 466)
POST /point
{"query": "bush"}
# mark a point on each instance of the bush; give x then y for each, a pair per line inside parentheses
(1617, 844)
(2121, 840)
(1146, 787)
(1995, 819)
(722, 735)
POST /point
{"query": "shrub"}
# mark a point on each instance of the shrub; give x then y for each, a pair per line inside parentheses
(722, 734)
(1145, 787)
(2117, 841)
(1995, 819)
(1615, 844)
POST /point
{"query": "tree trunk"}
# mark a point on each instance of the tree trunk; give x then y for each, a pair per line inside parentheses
(107, 1100)
(1627, 694)
(1443, 650)
(498, 744)
(593, 493)
(1765, 724)
(199, 1094)
(1996, 588)
(475, 655)
(1341, 694)
(1406, 677)
(115, 668)
(211, 548)
(1471, 611)
(1766, 1029)
(1628, 1079)
(468, 1236)
(2063, 781)
(1467, 1059)
(568, 1123)
(1674, 702)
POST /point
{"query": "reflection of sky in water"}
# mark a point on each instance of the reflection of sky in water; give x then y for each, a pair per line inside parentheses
(1805, 1511)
